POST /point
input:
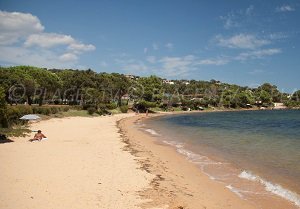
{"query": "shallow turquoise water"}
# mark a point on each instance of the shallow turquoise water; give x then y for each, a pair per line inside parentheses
(267, 143)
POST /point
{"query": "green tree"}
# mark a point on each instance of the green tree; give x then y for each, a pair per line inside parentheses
(244, 98)
(152, 88)
(272, 91)
(296, 96)
(265, 97)
(31, 79)
(120, 86)
(3, 109)
(229, 99)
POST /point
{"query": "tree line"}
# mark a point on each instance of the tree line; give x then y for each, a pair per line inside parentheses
(33, 85)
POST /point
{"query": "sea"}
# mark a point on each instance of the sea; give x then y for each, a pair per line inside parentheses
(255, 154)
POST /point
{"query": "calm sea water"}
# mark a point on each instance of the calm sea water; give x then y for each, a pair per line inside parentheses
(262, 147)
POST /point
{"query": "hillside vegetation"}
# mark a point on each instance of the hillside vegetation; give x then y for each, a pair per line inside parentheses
(48, 91)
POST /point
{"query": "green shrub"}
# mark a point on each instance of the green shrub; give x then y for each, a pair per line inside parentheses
(13, 115)
(24, 110)
(102, 106)
(74, 107)
(111, 106)
(54, 110)
(124, 108)
(86, 106)
(101, 112)
(91, 110)
(143, 105)
(46, 111)
(65, 108)
(3, 109)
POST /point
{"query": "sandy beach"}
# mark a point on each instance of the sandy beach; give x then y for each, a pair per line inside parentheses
(104, 162)
(81, 165)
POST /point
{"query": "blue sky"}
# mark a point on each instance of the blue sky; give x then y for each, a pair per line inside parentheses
(241, 42)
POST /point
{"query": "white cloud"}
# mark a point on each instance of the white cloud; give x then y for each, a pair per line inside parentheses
(278, 35)
(133, 68)
(175, 66)
(168, 66)
(285, 8)
(145, 50)
(48, 40)
(169, 46)
(15, 25)
(179, 66)
(218, 61)
(22, 56)
(229, 21)
(242, 41)
(20, 32)
(258, 54)
(237, 18)
(79, 47)
(68, 57)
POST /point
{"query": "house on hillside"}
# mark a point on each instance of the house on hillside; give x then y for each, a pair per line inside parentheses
(132, 77)
(279, 106)
(168, 82)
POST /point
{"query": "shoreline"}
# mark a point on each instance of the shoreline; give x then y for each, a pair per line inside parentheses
(105, 162)
(190, 201)
(178, 183)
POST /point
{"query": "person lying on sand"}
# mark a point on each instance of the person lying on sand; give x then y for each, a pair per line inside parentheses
(38, 136)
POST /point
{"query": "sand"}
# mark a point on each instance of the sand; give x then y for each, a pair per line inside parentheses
(81, 165)
(88, 163)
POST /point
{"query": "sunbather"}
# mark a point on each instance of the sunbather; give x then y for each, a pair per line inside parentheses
(38, 136)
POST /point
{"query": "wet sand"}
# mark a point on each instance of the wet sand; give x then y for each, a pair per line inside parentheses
(177, 183)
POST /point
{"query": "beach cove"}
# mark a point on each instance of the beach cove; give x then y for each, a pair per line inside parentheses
(105, 162)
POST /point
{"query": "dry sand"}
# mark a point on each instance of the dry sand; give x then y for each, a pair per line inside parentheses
(81, 165)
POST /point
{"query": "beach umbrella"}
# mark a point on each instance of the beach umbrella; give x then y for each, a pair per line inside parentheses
(30, 117)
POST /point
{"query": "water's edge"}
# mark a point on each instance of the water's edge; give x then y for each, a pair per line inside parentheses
(205, 163)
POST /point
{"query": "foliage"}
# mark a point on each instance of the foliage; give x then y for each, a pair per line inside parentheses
(3, 110)
(74, 113)
(124, 109)
(14, 112)
(111, 106)
(143, 105)
(17, 131)
(292, 104)
(107, 91)
(27, 81)
(296, 96)
(91, 110)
